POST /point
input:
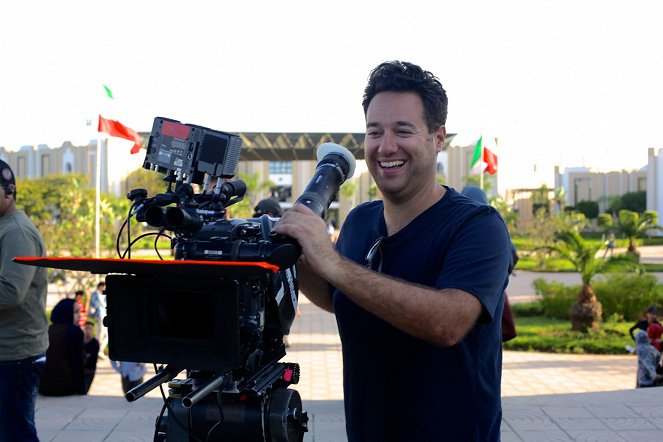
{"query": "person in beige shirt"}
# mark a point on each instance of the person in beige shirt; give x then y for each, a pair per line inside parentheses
(23, 322)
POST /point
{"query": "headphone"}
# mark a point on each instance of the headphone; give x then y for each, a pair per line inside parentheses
(9, 190)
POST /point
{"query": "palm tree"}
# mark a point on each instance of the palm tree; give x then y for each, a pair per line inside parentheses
(632, 224)
(570, 246)
(560, 198)
(255, 186)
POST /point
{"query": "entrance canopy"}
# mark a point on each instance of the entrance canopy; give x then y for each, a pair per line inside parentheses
(293, 146)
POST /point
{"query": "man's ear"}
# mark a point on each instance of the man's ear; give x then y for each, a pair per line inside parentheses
(440, 136)
(10, 189)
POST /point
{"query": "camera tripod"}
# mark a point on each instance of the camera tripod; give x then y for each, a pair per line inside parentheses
(208, 407)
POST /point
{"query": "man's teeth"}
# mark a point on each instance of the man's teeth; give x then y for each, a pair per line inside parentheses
(391, 163)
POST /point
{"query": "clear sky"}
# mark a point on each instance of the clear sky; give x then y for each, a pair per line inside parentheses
(567, 83)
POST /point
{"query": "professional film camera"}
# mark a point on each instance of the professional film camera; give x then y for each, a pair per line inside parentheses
(219, 311)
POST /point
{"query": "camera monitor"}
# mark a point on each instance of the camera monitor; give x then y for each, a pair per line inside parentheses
(191, 151)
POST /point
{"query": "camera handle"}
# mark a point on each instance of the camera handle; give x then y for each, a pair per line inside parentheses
(284, 250)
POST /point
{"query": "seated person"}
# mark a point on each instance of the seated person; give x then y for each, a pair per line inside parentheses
(648, 359)
(654, 332)
(65, 357)
(644, 324)
(81, 300)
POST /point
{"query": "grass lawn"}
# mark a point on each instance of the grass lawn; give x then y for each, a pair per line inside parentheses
(526, 262)
(539, 333)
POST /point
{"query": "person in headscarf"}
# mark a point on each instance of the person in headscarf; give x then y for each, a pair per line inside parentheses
(648, 359)
(63, 374)
(654, 333)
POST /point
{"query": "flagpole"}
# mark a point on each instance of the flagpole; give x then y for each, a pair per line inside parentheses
(97, 198)
(481, 174)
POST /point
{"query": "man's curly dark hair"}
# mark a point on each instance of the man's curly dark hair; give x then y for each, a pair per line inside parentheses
(401, 76)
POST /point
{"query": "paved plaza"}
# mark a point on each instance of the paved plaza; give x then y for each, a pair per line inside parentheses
(546, 397)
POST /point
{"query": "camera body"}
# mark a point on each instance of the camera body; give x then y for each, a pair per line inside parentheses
(220, 309)
(232, 316)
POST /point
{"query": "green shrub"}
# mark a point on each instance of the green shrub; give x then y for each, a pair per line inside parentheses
(652, 241)
(556, 298)
(627, 295)
(527, 309)
(623, 296)
(588, 208)
(541, 262)
(555, 336)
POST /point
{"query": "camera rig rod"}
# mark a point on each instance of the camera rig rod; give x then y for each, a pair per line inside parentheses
(189, 400)
(164, 375)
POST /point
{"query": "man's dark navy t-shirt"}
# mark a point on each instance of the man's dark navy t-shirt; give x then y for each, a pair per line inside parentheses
(398, 387)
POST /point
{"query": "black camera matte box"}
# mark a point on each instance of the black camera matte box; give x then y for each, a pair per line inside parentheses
(184, 313)
(187, 323)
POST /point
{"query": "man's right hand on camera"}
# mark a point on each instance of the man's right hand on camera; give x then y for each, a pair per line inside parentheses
(318, 253)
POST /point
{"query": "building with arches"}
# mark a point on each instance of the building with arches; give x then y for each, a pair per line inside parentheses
(288, 160)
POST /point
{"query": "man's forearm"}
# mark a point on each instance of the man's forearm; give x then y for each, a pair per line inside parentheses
(441, 317)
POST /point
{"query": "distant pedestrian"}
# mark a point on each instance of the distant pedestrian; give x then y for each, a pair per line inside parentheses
(609, 245)
(98, 313)
(132, 373)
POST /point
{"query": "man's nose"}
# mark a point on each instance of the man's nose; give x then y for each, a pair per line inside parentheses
(388, 143)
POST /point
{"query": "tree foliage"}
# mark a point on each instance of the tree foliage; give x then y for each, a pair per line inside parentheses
(605, 221)
(572, 247)
(588, 208)
(560, 198)
(63, 209)
(541, 200)
(633, 201)
(254, 187)
(582, 254)
(146, 179)
(632, 225)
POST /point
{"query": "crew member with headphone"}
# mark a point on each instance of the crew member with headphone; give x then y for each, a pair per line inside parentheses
(7, 180)
(23, 322)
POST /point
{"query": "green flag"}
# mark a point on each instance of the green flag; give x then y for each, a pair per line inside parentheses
(108, 91)
(478, 150)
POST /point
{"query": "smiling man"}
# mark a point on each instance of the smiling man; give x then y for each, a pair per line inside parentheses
(416, 280)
